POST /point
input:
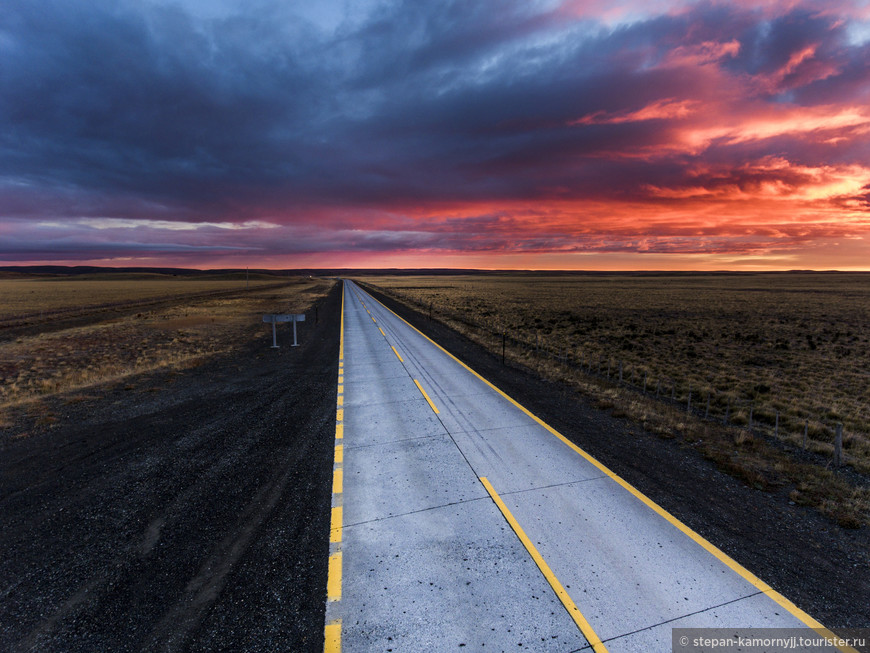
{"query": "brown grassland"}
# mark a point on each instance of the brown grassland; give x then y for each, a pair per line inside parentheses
(40, 297)
(789, 350)
(199, 318)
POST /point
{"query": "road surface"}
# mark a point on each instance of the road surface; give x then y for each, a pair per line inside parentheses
(460, 519)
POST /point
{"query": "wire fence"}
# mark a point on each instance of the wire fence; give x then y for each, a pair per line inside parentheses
(805, 432)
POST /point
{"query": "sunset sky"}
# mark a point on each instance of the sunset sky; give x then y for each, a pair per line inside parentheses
(493, 134)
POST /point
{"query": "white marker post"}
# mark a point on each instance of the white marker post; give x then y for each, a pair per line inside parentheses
(274, 318)
(296, 318)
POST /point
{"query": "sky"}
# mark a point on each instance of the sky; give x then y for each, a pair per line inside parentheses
(534, 134)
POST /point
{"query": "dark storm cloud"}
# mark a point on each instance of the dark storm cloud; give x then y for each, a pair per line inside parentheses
(148, 110)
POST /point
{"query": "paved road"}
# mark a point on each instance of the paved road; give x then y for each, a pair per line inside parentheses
(461, 520)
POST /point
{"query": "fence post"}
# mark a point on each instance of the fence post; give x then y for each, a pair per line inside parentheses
(751, 408)
(838, 446)
(689, 402)
(658, 387)
(620, 372)
(776, 426)
(644, 381)
(727, 414)
(707, 412)
(806, 431)
(673, 389)
(503, 342)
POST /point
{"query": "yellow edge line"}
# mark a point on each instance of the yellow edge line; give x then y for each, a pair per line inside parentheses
(560, 591)
(332, 640)
(397, 354)
(341, 328)
(332, 629)
(333, 582)
(420, 387)
(335, 524)
(720, 555)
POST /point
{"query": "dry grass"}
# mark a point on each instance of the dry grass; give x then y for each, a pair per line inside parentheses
(173, 337)
(23, 297)
(796, 344)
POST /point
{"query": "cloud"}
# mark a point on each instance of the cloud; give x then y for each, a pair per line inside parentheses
(429, 127)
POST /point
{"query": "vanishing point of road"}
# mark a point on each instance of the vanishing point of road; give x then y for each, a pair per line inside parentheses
(460, 519)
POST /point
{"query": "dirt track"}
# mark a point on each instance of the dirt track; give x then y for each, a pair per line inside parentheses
(184, 512)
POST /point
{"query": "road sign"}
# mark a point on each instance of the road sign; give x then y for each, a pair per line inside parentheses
(275, 318)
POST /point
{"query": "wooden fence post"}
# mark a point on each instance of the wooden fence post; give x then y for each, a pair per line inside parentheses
(503, 344)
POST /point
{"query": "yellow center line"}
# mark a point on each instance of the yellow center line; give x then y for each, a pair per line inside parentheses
(337, 481)
(560, 591)
(340, 400)
(339, 431)
(339, 453)
(382, 332)
(397, 355)
(420, 387)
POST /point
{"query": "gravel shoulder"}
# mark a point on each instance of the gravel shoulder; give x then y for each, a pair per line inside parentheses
(176, 511)
(823, 568)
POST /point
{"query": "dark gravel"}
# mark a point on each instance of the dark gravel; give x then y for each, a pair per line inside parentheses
(182, 512)
(823, 568)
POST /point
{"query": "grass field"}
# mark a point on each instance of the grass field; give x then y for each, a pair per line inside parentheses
(179, 332)
(46, 296)
(793, 345)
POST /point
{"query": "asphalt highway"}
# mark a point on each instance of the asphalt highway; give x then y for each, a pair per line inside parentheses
(460, 519)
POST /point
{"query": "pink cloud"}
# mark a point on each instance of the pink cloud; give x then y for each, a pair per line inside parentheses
(669, 109)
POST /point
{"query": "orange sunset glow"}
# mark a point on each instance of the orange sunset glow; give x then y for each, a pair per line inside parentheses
(551, 135)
